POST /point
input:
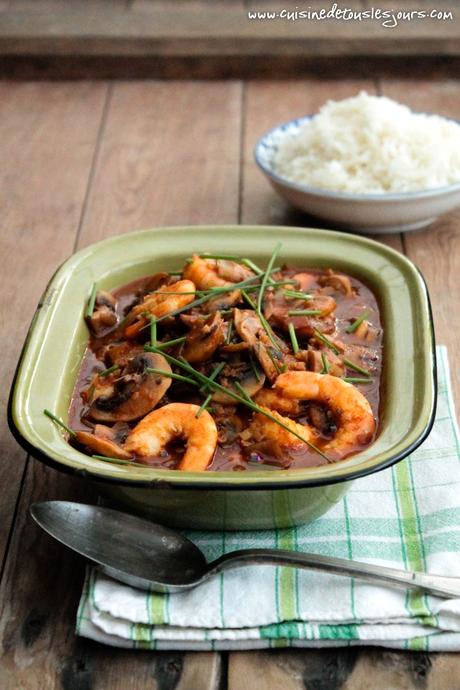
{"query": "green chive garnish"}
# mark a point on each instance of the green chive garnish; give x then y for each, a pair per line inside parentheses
(214, 374)
(326, 341)
(170, 374)
(305, 312)
(153, 330)
(91, 301)
(204, 405)
(59, 422)
(170, 343)
(169, 292)
(352, 365)
(252, 266)
(354, 379)
(325, 362)
(210, 295)
(216, 257)
(295, 344)
(266, 276)
(206, 379)
(229, 333)
(255, 368)
(297, 295)
(118, 461)
(240, 388)
(216, 371)
(354, 326)
(263, 320)
(109, 371)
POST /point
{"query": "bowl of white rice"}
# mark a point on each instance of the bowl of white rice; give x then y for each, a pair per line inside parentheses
(366, 164)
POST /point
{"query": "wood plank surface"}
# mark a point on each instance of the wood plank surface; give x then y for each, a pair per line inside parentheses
(144, 174)
(169, 156)
(119, 158)
(98, 28)
(436, 250)
(343, 669)
(40, 217)
(267, 104)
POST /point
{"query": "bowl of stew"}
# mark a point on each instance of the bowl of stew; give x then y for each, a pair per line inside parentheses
(222, 389)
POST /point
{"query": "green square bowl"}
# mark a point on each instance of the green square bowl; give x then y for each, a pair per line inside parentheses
(58, 337)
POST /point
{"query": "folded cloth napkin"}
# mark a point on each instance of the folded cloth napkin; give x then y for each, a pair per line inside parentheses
(407, 516)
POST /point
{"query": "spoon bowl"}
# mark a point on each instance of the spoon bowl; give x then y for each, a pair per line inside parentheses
(152, 557)
(127, 548)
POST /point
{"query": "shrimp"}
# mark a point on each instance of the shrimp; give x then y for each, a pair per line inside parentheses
(159, 303)
(267, 397)
(352, 412)
(176, 420)
(210, 273)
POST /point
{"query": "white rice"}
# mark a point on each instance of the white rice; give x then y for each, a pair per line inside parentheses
(371, 144)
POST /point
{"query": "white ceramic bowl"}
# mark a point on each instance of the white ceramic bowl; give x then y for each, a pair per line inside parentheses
(366, 213)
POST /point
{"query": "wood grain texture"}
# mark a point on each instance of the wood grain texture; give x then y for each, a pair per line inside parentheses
(153, 137)
(209, 30)
(436, 250)
(41, 204)
(266, 105)
(343, 669)
(170, 156)
(138, 156)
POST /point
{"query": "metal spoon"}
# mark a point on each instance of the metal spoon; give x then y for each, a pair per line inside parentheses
(146, 555)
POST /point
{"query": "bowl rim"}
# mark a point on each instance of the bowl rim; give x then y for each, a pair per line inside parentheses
(382, 197)
(210, 483)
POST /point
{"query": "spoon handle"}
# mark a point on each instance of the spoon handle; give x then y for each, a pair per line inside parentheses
(438, 585)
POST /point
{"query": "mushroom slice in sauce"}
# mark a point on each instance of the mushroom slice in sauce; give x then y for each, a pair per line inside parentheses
(105, 440)
(104, 315)
(250, 329)
(133, 394)
(242, 372)
(206, 335)
(337, 281)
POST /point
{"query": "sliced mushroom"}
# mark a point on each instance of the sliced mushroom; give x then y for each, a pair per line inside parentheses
(133, 394)
(206, 335)
(366, 331)
(250, 329)
(235, 347)
(244, 373)
(105, 441)
(155, 281)
(121, 353)
(104, 315)
(339, 282)
(314, 361)
(233, 271)
(226, 300)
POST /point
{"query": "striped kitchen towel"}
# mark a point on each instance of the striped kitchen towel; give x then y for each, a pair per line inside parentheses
(407, 516)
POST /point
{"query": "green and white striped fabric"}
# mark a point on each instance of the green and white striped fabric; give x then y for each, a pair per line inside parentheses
(407, 516)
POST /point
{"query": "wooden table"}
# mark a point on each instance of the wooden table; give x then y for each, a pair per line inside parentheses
(83, 161)
(216, 38)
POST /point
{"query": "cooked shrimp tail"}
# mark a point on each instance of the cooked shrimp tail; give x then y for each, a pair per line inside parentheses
(172, 422)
